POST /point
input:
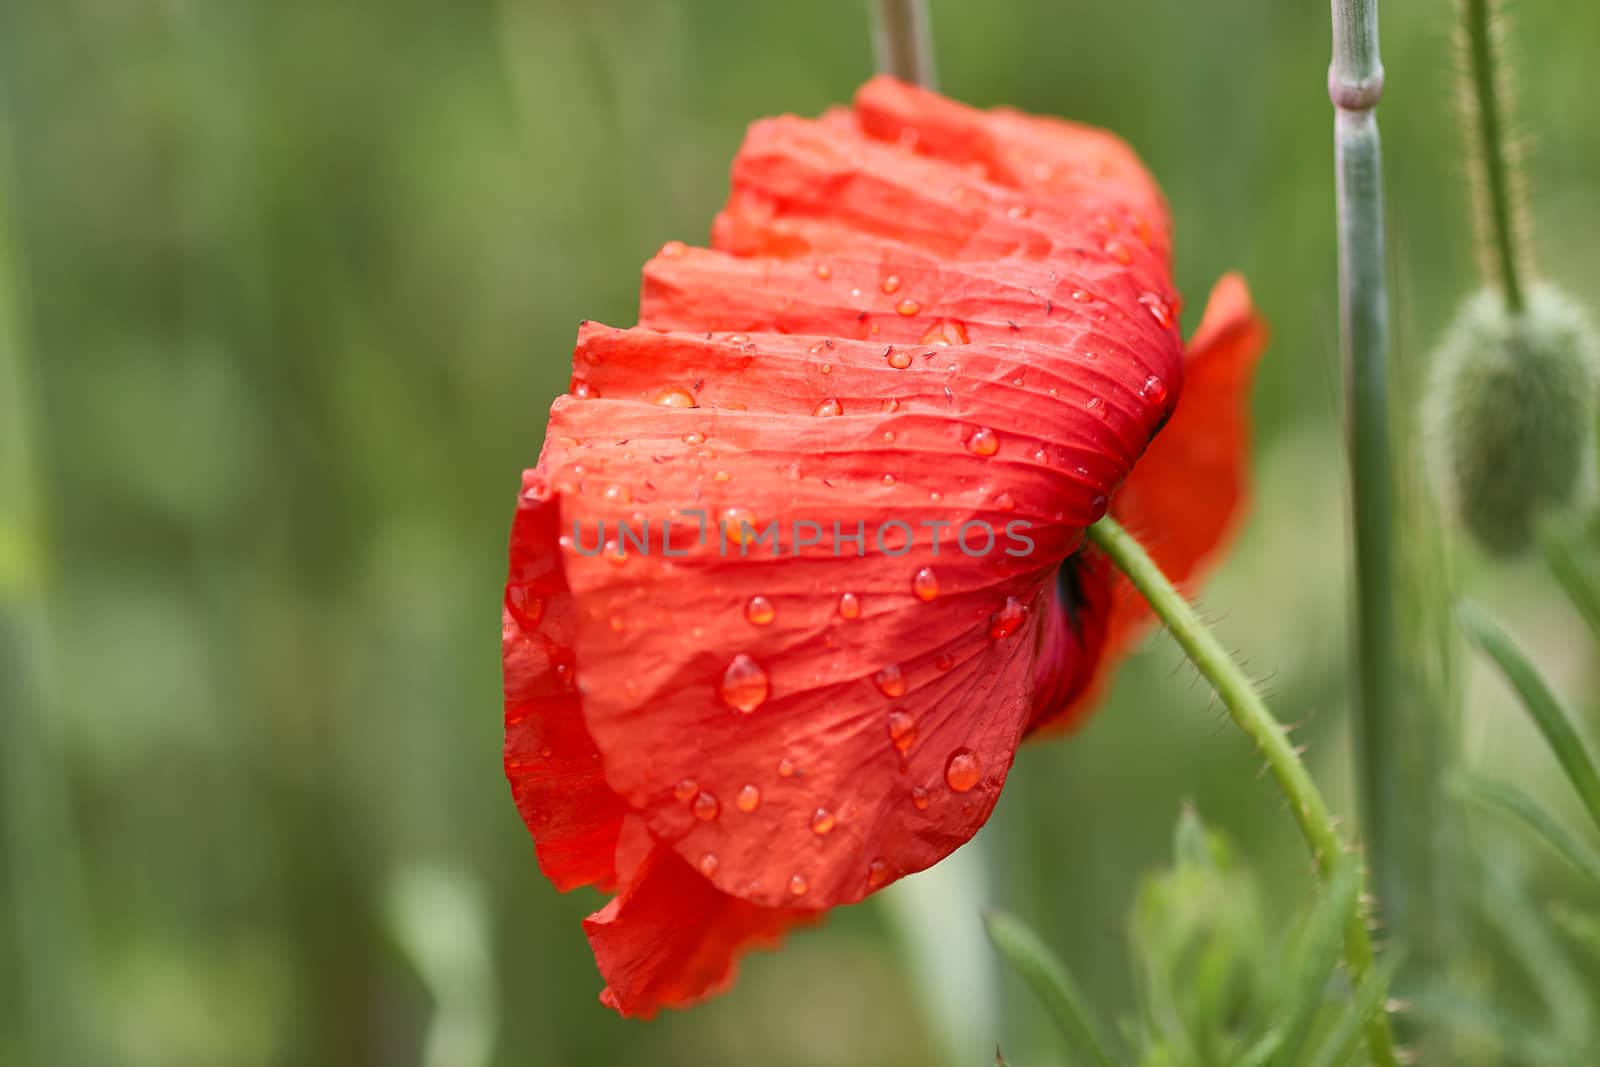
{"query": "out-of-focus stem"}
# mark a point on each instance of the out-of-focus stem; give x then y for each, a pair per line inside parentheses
(1247, 709)
(1355, 84)
(1497, 203)
(903, 41)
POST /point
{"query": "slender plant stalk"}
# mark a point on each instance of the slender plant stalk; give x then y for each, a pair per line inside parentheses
(1250, 713)
(1485, 102)
(903, 41)
(1355, 84)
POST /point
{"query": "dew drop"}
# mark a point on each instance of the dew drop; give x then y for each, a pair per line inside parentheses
(944, 333)
(849, 606)
(817, 349)
(889, 479)
(708, 865)
(925, 584)
(983, 442)
(888, 437)
(685, 789)
(891, 283)
(902, 729)
(1157, 307)
(706, 807)
(1097, 509)
(748, 800)
(1005, 502)
(944, 661)
(919, 797)
(1083, 296)
(694, 438)
(899, 359)
(1004, 623)
(676, 396)
(826, 368)
(1096, 406)
(737, 523)
(673, 249)
(1018, 211)
(1154, 390)
(786, 768)
(759, 611)
(891, 681)
(737, 339)
(744, 684)
(583, 390)
(827, 408)
(889, 405)
(1119, 252)
(908, 307)
(822, 821)
(526, 608)
(963, 771)
(797, 886)
(618, 494)
(824, 272)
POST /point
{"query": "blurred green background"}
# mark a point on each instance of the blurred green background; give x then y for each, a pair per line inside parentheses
(288, 287)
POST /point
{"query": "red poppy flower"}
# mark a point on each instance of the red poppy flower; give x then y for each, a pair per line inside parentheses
(802, 560)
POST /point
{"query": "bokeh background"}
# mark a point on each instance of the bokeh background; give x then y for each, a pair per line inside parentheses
(285, 291)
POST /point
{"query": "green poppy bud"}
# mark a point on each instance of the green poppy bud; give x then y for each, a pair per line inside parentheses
(1511, 413)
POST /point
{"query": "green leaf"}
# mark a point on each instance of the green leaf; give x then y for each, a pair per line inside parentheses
(1575, 575)
(1315, 958)
(1366, 1003)
(1547, 712)
(1512, 801)
(1516, 1042)
(1050, 981)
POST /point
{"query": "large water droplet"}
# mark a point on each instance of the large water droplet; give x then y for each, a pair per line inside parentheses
(821, 821)
(891, 284)
(925, 584)
(708, 865)
(759, 611)
(828, 407)
(877, 874)
(686, 789)
(908, 307)
(1004, 623)
(1154, 390)
(798, 886)
(898, 358)
(983, 442)
(849, 606)
(748, 799)
(963, 770)
(738, 524)
(919, 797)
(744, 684)
(1157, 307)
(675, 396)
(902, 729)
(891, 681)
(706, 807)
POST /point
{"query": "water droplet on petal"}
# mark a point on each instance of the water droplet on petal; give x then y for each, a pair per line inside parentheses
(1083, 296)
(889, 405)
(706, 807)
(1097, 406)
(824, 272)
(877, 874)
(1154, 390)
(618, 494)
(1119, 252)
(1018, 211)
(821, 821)
(1157, 307)
(759, 611)
(925, 584)
(1004, 623)
(1097, 509)
(526, 608)
(983, 442)
(891, 283)
(583, 390)
(899, 358)
(849, 606)
(828, 408)
(694, 438)
(902, 729)
(826, 368)
(963, 771)
(744, 684)
(888, 437)
(919, 797)
(891, 681)
(748, 800)
(786, 768)
(889, 479)
(908, 307)
(708, 865)
(676, 396)
(685, 789)
(673, 249)
(944, 333)
(944, 661)
(797, 886)
(738, 523)
(1005, 502)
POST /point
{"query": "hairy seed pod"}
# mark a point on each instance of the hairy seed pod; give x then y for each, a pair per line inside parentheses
(1511, 413)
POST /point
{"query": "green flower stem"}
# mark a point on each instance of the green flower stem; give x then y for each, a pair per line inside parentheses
(1498, 205)
(903, 41)
(1250, 713)
(1355, 85)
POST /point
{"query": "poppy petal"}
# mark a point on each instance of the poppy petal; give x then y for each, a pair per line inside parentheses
(1183, 500)
(668, 939)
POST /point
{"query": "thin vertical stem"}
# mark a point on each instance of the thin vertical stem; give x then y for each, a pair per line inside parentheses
(1355, 85)
(1497, 205)
(1245, 706)
(903, 41)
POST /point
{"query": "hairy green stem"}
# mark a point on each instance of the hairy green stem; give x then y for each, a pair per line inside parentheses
(1355, 85)
(903, 41)
(1247, 709)
(1497, 205)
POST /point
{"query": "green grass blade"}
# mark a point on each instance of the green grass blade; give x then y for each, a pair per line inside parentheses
(1520, 806)
(1316, 956)
(1368, 1000)
(1547, 712)
(1575, 575)
(1050, 982)
(1515, 1041)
